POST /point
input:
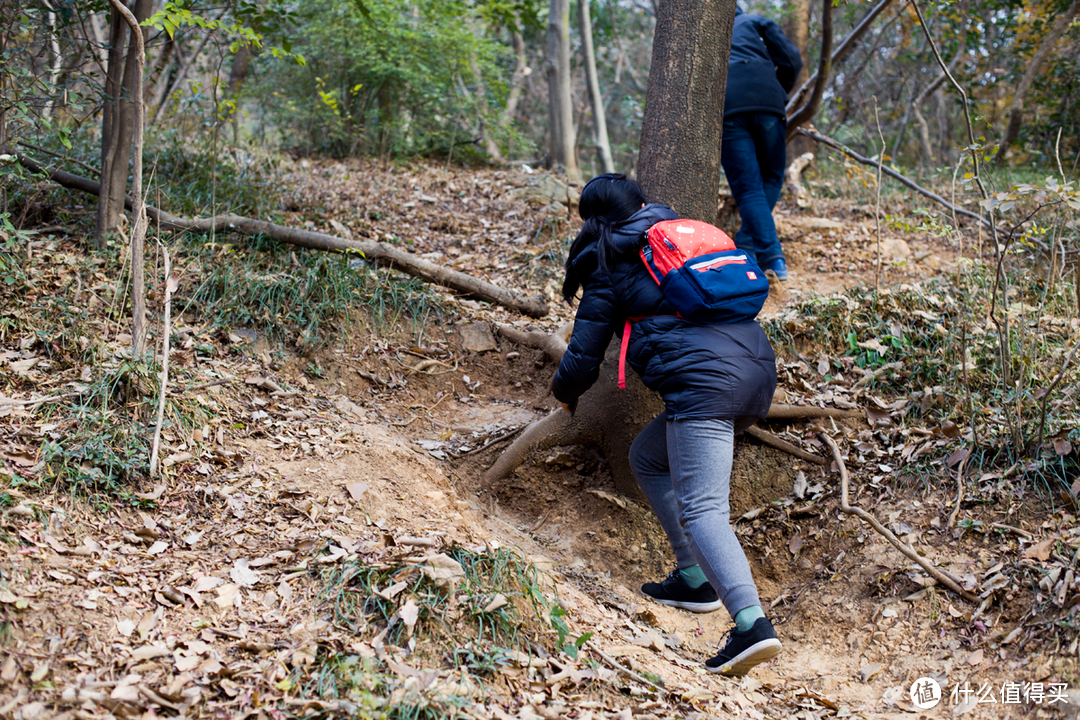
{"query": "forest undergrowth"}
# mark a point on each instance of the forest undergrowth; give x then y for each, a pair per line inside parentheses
(270, 571)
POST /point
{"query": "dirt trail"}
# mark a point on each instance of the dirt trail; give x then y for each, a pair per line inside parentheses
(206, 603)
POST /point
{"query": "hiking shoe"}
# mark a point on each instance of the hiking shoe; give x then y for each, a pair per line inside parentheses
(745, 649)
(675, 592)
(779, 267)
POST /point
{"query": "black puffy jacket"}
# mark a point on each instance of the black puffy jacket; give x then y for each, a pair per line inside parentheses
(762, 69)
(702, 371)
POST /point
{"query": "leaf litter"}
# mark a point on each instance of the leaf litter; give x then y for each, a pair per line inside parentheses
(218, 600)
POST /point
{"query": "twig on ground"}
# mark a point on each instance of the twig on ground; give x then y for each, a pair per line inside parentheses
(767, 438)
(1013, 529)
(959, 492)
(942, 577)
(626, 671)
(34, 404)
(494, 441)
(809, 412)
(203, 386)
(170, 286)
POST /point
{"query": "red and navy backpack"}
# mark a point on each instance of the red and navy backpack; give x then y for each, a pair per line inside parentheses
(703, 274)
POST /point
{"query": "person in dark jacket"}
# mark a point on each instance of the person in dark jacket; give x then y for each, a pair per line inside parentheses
(761, 71)
(715, 380)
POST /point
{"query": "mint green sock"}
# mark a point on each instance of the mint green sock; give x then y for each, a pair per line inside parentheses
(693, 576)
(745, 618)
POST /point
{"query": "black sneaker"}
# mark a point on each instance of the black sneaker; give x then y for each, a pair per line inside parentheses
(745, 649)
(675, 592)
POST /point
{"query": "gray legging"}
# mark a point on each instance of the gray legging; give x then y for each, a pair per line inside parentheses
(684, 469)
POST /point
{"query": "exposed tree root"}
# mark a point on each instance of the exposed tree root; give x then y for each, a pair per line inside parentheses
(553, 345)
(767, 438)
(946, 579)
(375, 252)
(611, 418)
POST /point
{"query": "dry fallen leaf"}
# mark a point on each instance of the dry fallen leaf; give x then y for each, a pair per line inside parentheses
(242, 574)
(410, 611)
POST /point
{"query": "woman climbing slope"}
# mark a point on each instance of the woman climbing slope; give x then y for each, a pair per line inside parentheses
(715, 380)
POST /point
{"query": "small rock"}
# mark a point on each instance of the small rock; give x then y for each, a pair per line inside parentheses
(868, 672)
(476, 337)
(895, 249)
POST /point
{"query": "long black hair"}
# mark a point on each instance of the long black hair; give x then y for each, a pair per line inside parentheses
(606, 200)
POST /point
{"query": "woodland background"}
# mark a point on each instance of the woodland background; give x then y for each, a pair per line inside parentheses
(245, 476)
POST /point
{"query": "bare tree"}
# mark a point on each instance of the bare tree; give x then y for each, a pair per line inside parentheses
(118, 114)
(807, 111)
(138, 209)
(596, 99)
(561, 127)
(1016, 114)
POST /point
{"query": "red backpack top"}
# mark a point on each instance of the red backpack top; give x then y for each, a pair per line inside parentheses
(703, 274)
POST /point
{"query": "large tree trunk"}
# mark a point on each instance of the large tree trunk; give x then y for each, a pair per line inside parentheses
(680, 165)
(596, 98)
(796, 26)
(561, 125)
(1016, 115)
(679, 162)
(118, 120)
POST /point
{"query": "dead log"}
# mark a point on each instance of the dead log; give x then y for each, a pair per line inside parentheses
(374, 252)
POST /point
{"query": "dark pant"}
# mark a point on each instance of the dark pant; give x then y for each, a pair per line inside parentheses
(753, 155)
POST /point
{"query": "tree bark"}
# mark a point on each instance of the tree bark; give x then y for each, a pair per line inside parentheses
(596, 98)
(804, 114)
(796, 26)
(375, 252)
(679, 162)
(1016, 114)
(561, 130)
(54, 68)
(138, 210)
(118, 117)
(110, 202)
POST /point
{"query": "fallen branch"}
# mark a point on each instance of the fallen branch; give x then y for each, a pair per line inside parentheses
(374, 252)
(959, 492)
(840, 147)
(945, 579)
(767, 438)
(625, 670)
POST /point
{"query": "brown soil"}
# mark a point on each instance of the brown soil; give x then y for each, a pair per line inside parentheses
(98, 592)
